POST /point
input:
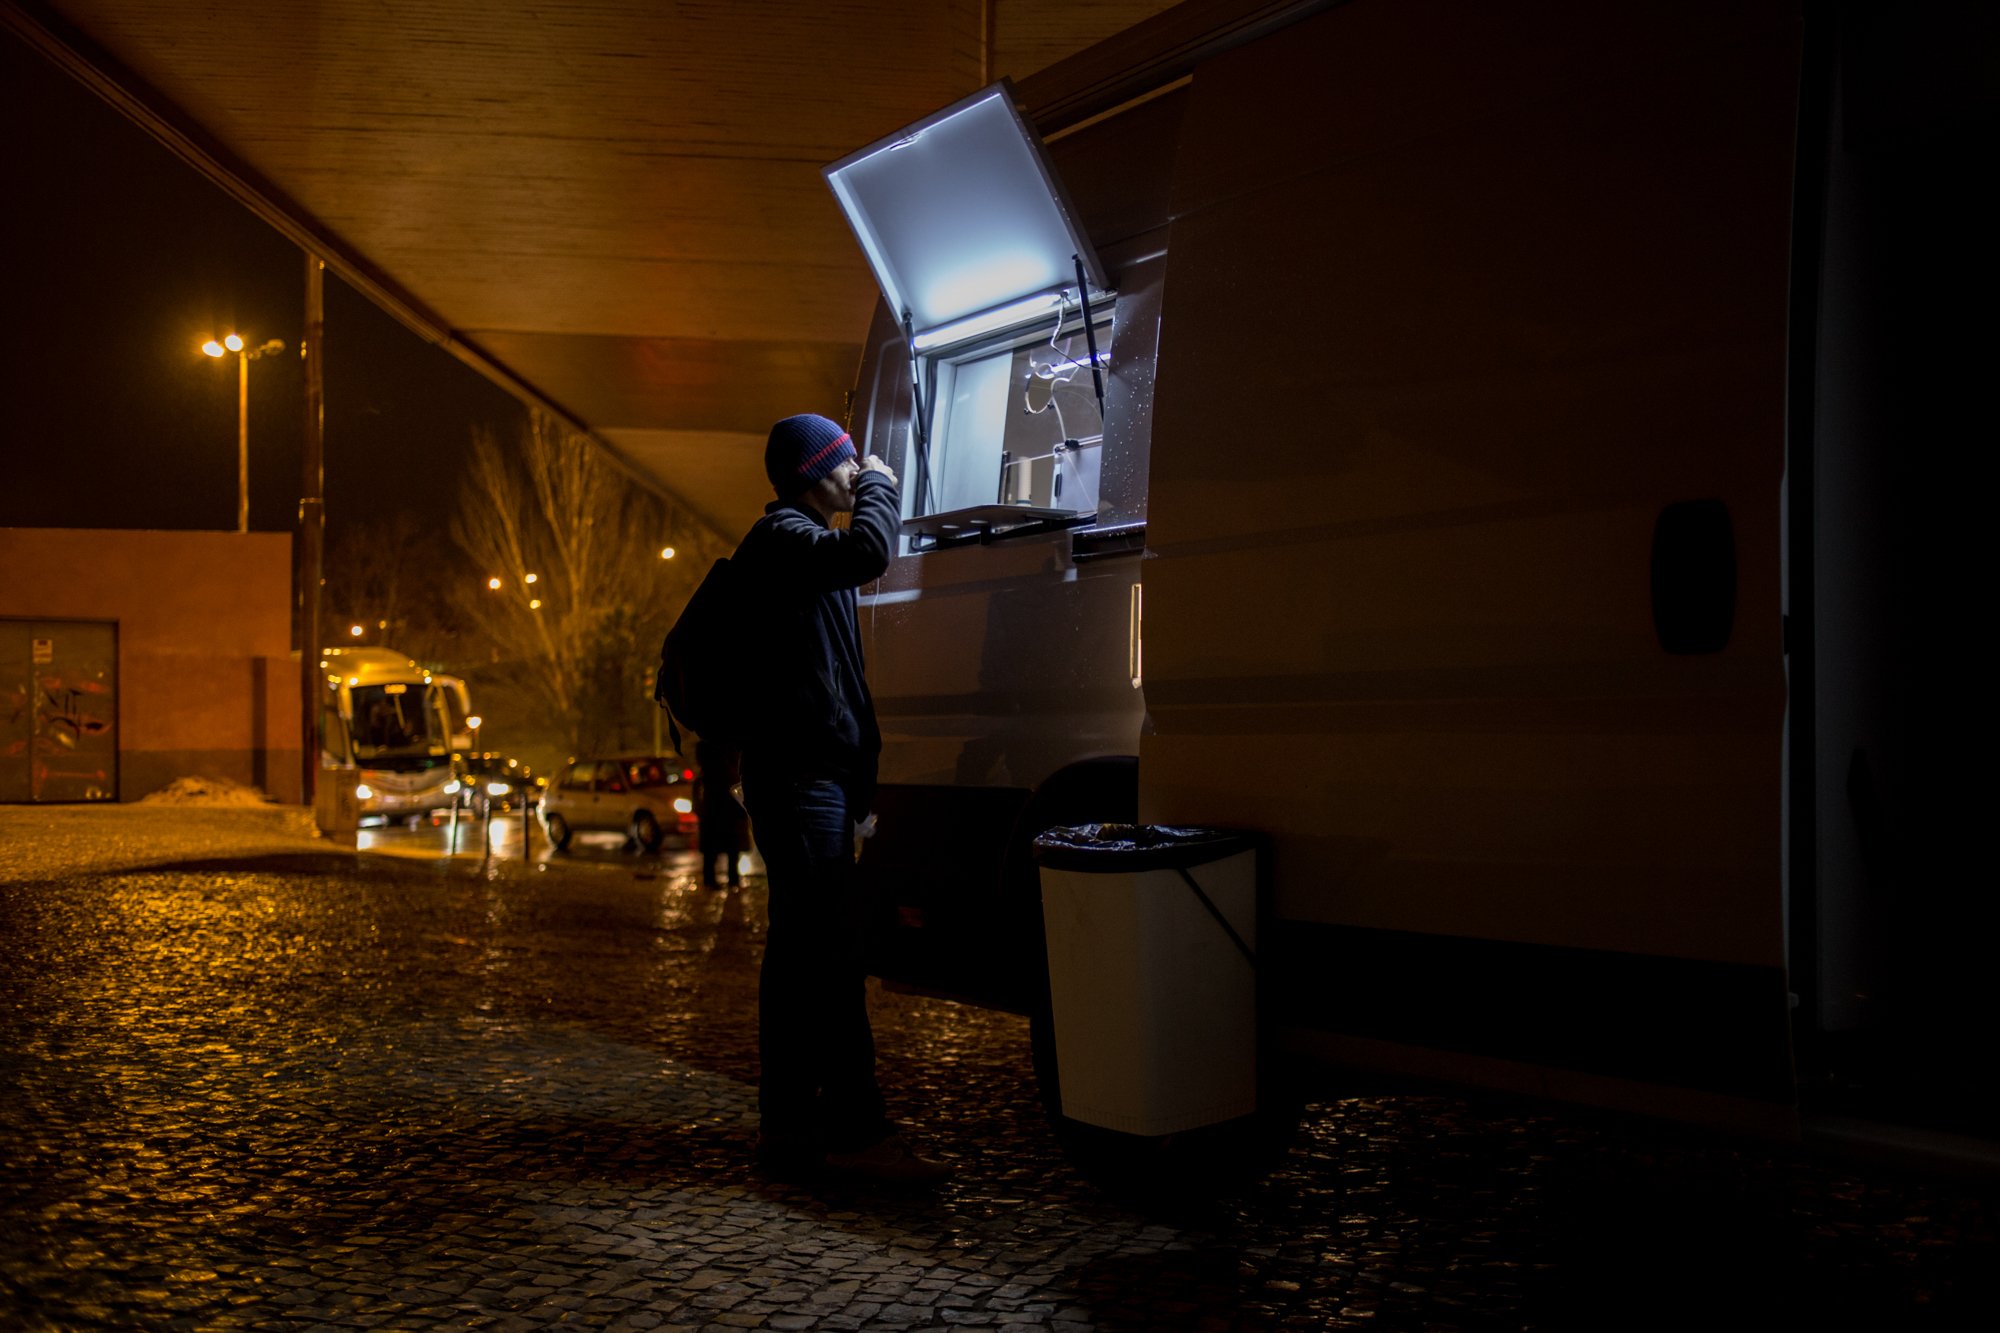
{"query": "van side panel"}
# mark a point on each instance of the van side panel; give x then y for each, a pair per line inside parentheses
(1460, 300)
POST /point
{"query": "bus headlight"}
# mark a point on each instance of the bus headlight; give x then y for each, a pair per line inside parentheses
(363, 792)
(683, 806)
(452, 788)
(497, 789)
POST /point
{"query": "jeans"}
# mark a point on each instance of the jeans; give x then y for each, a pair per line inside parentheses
(817, 1053)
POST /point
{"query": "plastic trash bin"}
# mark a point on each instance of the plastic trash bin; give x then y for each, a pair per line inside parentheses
(1152, 939)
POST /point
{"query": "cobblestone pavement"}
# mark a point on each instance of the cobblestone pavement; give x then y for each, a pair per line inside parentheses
(252, 1081)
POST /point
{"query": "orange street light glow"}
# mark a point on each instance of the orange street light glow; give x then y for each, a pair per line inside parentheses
(493, 583)
(530, 578)
(534, 603)
(355, 630)
(233, 343)
(666, 553)
(213, 348)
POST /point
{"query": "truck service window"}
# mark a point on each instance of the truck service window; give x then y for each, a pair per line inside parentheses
(1017, 421)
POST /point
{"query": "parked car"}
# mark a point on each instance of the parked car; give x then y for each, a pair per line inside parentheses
(642, 796)
(493, 781)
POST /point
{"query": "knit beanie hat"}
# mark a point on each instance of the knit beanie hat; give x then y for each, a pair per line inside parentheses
(803, 449)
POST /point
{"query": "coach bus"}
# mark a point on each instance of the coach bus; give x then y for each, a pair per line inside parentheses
(392, 726)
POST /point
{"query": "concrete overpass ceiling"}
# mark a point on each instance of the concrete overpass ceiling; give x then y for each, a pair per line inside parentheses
(719, 474)
(615, 203)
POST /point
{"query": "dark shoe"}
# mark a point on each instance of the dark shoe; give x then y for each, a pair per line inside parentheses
(888, 1162)
(789, 1156)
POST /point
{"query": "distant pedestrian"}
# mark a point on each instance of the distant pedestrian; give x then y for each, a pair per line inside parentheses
(809, 766)
(719, 814)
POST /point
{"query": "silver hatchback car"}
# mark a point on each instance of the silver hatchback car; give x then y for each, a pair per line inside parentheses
(645, 797)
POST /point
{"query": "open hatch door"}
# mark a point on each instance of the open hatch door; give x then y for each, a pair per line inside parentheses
(977, 249)
(964, 220)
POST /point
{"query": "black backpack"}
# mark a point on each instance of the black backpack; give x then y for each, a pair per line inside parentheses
(702, 681)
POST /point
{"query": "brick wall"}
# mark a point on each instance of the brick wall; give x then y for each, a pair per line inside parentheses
(208, 684)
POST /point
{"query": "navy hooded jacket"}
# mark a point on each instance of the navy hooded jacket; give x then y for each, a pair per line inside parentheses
(800, 577)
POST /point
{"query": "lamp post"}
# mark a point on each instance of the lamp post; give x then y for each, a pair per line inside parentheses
(244, 356)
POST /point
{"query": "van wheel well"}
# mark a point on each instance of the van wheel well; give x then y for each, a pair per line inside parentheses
(1104, 791)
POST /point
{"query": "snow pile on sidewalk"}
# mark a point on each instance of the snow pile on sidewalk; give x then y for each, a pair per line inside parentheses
(213, 792)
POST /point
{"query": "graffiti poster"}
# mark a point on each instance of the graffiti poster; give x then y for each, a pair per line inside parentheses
(58, 711)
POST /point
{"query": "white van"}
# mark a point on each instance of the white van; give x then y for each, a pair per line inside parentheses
(1373, 434)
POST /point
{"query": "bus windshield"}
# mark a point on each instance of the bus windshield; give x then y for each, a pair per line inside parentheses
(395, 722)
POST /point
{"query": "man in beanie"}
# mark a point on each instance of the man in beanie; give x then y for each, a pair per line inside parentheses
(809, 777)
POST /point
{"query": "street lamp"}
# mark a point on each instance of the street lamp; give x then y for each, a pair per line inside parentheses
(244, 356)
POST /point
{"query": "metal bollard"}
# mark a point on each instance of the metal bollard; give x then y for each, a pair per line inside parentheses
(454, 825)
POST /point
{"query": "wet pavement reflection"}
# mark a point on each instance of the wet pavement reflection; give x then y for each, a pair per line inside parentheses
(506, 834)
(253, 1080)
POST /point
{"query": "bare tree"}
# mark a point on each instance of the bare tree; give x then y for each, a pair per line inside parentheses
(386, 575)
(573, 545)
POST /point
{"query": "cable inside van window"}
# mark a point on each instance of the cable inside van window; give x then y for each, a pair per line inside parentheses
(1015, 420)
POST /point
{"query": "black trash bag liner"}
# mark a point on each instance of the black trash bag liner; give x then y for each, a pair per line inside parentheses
(1126, 848)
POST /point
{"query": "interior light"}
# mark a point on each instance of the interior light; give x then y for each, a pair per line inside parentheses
(529, 578)
(534, 603)
(355, 630)
(493, 583)
(999, 317)
(666, 553)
